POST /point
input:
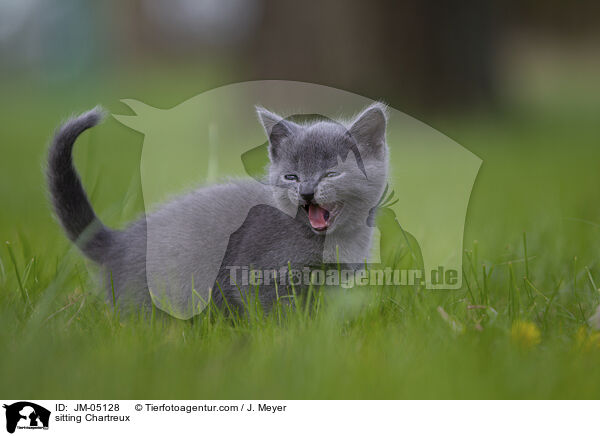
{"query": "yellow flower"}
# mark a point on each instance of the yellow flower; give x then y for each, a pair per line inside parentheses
(525, 334)
(587, 341)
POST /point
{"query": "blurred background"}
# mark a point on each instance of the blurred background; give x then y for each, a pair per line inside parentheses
(419, 55)
(516, 82)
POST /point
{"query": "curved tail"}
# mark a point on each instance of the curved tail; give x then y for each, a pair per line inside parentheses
(69, 199)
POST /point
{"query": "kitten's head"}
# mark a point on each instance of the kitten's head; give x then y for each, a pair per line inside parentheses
(332, 172)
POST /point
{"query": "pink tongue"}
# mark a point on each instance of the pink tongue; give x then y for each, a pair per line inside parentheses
(316, 216)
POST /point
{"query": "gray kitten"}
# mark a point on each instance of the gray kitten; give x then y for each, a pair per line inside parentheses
(323, 181)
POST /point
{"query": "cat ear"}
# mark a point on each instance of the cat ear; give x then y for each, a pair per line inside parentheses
(276, 128)
(368, 128)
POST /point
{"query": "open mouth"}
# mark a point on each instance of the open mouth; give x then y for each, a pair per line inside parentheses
(321, 217)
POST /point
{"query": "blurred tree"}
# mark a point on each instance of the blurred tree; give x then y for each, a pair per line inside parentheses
(418, 55)
(437, 54)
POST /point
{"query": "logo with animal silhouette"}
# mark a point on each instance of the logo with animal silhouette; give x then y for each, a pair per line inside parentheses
(417, 223)
(26, 415)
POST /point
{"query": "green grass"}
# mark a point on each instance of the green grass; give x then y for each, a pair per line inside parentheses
(531, 257)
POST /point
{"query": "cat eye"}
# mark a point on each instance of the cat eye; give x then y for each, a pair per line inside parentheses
(291, 177)
(332, 174)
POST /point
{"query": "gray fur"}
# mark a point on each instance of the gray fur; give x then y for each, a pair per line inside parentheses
(262, 225)
(71, 204)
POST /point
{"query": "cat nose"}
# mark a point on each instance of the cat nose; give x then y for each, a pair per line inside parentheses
(307, 196)
(307, 193)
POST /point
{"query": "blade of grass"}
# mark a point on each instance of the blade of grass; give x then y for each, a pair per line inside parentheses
(24, 294)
